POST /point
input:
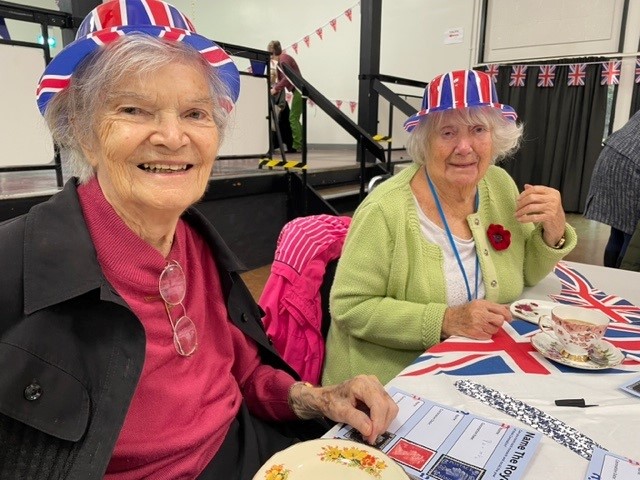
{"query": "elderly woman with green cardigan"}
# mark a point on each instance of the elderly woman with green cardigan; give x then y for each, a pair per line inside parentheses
(441, 247)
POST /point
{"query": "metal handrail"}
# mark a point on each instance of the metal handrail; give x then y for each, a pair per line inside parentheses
(364, 139)
(393, 98)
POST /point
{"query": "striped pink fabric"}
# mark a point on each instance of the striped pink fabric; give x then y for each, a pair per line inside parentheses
(301, 239)
(291, 297)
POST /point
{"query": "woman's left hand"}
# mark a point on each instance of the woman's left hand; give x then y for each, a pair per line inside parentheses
(541, 204)
(362, 402)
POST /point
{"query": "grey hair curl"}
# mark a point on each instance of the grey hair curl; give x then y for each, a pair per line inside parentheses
(72, 114)
(506, 135)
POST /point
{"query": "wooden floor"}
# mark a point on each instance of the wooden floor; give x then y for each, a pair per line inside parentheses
(592, 237)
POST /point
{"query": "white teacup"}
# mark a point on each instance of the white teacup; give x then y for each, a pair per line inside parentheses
(576, 328)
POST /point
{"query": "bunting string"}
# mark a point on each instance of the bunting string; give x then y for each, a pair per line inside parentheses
(610, 71)
(321, 30)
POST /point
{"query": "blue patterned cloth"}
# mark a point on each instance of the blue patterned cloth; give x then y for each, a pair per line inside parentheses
(543, 422)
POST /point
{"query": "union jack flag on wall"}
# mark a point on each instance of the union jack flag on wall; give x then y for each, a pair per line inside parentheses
(493, 71)
(577, 74)
(518, 76)
(610, 74)
(637, 70)
(546, 75)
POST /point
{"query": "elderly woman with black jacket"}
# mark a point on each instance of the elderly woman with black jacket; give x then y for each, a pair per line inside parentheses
(130, 346)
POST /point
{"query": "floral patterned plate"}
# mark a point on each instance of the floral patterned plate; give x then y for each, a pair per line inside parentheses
(531, 310)
(330, 458)
(550, 348)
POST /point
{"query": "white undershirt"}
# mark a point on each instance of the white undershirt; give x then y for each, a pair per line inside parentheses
(455, 286)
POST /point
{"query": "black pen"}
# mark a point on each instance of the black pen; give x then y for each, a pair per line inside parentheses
(573, 402)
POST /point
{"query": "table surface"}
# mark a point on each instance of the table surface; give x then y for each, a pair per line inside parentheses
(614, 423)
(509, 364)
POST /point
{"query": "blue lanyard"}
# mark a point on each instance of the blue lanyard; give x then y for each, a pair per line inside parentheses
(451, 241)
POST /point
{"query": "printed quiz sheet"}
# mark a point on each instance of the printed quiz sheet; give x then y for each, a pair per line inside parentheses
(606, 465)
(434, 441)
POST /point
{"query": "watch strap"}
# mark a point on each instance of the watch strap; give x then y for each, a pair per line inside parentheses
(560, 243)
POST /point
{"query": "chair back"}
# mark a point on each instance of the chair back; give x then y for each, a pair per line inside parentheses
(325, 290)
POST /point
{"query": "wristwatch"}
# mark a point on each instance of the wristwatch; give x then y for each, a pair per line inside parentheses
(560, 243)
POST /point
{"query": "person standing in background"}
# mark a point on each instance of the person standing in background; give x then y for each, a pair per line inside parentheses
(275, 49)
(282, 111)
(614, 193)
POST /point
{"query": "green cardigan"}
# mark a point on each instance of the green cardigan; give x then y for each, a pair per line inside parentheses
(389, 294)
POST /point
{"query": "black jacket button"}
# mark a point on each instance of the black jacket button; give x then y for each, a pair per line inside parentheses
(33, 392)
(244, 317)
(269, 339)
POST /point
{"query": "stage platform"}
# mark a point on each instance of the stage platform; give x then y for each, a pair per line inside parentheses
(319, 158)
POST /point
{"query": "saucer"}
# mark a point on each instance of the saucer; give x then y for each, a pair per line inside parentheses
(531, 310)
(330, 458)
(551, 348)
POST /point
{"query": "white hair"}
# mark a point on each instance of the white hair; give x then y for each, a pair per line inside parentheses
(506, 134)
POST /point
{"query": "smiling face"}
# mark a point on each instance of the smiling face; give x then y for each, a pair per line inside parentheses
(459, 151)
(156, 142)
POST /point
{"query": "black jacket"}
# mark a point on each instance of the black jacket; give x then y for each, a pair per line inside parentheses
(71, 351)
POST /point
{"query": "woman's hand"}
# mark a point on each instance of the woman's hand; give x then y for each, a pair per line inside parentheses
(362, 402)
(478, 319)
(543, 205)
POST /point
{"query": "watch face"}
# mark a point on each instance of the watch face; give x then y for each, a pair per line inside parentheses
(560, 243)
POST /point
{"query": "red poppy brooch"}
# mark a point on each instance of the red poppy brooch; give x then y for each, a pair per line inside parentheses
(499, 237)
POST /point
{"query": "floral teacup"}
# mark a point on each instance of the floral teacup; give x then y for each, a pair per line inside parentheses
(578, 329)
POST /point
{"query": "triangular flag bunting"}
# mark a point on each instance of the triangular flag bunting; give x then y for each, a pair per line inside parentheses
(319, 32)
(307, 41)
(288, 96)
(339, 103)
(352, 106)
(334, 24)
(348, 13)
(295, 47)
(638, 70)
(310, 102)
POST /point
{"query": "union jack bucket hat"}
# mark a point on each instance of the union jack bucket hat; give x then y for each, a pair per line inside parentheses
(459, 89)
(111, 20)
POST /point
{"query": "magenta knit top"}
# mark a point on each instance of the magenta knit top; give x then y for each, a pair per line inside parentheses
(183, 406)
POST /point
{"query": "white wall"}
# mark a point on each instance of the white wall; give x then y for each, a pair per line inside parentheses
(412, 45)
(413, 40)
(551, 28)
(521, 30)
(330, 64)
(627, 74)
